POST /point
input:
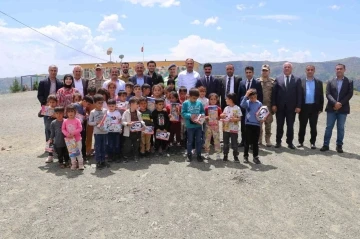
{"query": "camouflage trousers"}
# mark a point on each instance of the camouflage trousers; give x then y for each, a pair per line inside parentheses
(267, 123)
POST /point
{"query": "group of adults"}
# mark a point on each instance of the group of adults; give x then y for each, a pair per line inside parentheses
(285, 96)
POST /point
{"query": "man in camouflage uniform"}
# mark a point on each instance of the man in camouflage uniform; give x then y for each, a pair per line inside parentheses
(99, 79)
(267, 84)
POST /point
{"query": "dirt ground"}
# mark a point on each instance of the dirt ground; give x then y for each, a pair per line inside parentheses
(300, 193)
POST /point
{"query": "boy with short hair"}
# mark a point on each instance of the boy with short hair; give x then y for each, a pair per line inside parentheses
(146, 115)
(113, 138)
(146, 90)
(168, 90)
(96, 115)
(51, 102)
(137, 91)
(58, 138)
(190, 108)
(129, 87)
(161, 123)
(132, 117)
(252, 124)
(182, 98)
(182, 94)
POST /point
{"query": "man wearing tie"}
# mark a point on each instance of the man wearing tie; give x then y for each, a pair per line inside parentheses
(140, 78)
(211, 84)
(286, 102)
(312, 105)
(249, 83)
(339, 91)
(229, 84)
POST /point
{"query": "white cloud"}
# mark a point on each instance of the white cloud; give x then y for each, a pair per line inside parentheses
(276, 41)
(262, 4)
(195, 22)
(2, 22)
(151, 3)
(123, 16)
(279, 17)
(211, 21)
(218, 28)
(334, 7)
(241, 7)
(16, 59)
(110, 23)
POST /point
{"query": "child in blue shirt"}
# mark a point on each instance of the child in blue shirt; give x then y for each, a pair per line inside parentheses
(190, 109)
(252, 124)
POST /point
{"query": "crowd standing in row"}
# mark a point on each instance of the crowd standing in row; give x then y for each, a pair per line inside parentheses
(125, 99)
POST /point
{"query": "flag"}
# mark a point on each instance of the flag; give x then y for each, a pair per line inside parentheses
(142, 49)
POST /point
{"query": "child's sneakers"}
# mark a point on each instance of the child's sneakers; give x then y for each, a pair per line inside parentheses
(81, 164)
(206, 156)
(73, 164)
(189, 158)
(218, 156)
(246, 159)
(199, 158)
(49, 159)
(256, 160)
(225, 158)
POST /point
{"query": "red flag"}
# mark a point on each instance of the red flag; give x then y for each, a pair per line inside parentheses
(142, 49)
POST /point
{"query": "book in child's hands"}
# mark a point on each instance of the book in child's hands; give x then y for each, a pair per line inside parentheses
(163, 135)
(72, 147)
(199, 119)
(174, 111)
(121, 106)
(262, 113)
(107, 124)
(136, 127)
(213, 115)
(151, 104)
(149, 130)
(49, 147)
(47, 110)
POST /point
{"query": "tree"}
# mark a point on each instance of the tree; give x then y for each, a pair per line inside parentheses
(36, 85)
(15, 86)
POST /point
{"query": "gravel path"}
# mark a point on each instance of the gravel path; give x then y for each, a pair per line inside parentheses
(294, 194)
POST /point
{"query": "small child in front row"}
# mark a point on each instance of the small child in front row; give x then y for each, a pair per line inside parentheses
(129, 87)
(71, 128)
(212, 126)
(146, 90)
(231, 117)
(96, 115)
(190, 108)
(132, 138)
(182, 98)
(51, 102)
(122, 99)
(161, 124)
(175, 126)
(145, 144)
(137, 91)
(113, 138)
(205, 102)
(57, 138)
(252, 125)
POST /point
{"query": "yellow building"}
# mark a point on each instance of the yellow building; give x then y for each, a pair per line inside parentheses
(161, 68)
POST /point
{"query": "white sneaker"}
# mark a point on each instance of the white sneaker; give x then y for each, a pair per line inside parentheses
(49, 159)
(206, 156)
(193, 151)
(218, 156)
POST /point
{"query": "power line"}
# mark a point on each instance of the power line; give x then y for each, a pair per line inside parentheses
(51, 37)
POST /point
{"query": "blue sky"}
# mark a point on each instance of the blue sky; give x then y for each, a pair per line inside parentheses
(174, 30)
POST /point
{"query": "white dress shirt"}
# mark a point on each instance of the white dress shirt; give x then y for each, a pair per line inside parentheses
(187, 79)
(232, 82)
(120, 85)
(79, 86)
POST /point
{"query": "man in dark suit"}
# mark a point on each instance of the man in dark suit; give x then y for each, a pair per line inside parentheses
(155, 77)
(49, 86)
(79, 83)
(211, 84)
(339, 91)
(286, 102)
(229, 84)
(140, 78)
(249, 83)
(312, 105)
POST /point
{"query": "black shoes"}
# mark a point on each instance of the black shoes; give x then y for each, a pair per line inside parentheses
(189, 158)
(199, 158)
(246, 159)
(339, 149)
(313, 146)
(236, 159)
(225, 157)
(324, 148)
(256, 160)
(278, 145)
(300, 145)
(241, 144)
(291, 146)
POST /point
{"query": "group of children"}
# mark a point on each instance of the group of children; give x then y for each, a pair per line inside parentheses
(142, 120)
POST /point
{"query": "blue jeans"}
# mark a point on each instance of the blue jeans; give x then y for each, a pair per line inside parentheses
(100, 147)
(194, 133)
(113, 143)
(340, 120)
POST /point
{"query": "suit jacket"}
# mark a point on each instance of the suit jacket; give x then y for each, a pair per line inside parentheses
(44, 89)
(290, 96)
(223, 81)
(346, 93)
(213, 86)
(85, 84)
(255, 84)
(147, 80)
(319, 94)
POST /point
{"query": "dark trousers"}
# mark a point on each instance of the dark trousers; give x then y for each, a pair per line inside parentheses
(194, 135)
(281, 116)
(175, 130)
(132, 144)
(113, 144)
(83, 140)
(309, 113)
(160, 143)
(243, 127)
(63, 154)
(100, 147)
(227, 136)
(252, 133)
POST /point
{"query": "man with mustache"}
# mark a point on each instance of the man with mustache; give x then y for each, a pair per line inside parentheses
(125, 76)
(120, 84)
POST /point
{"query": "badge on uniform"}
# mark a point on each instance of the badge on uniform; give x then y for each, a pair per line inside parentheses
(262, 113)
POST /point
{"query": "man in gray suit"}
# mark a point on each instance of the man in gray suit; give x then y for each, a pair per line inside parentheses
(339, 91)
(286, 102)
(229, 84)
